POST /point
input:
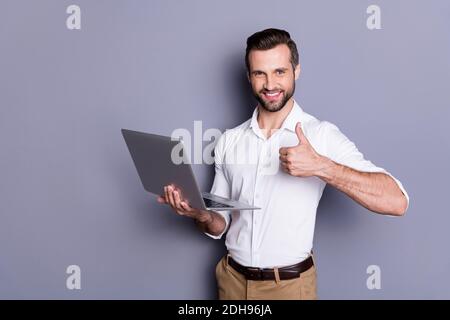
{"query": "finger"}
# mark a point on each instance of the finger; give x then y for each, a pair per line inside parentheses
(301, 136)
(287, 150)
(161, 199)
(185, 206)
(283, 151)
(287, 158)
(177, 198)
(283, 157)
(166, 195)
(171, 198)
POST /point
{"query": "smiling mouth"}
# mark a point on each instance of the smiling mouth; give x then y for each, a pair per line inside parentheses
(272, 95)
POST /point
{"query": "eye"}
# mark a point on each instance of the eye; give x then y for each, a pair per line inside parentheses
(280, 72)
(257, 73)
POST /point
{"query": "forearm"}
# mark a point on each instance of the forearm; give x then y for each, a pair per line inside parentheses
(211, 222)
(375, 191)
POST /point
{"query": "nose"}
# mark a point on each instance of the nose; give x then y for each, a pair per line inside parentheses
(270, 83)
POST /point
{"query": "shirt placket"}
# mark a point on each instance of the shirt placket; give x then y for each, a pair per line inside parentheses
(256, 217)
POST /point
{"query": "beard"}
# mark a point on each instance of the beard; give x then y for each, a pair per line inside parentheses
(274, 106)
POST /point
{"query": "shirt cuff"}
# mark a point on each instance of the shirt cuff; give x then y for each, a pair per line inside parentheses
(226, 216)
(401, 188)
(381, 170)
(400, 185)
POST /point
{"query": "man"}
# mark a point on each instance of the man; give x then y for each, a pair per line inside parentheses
(269, 250)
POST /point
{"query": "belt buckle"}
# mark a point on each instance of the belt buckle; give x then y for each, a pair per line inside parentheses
(256, 271)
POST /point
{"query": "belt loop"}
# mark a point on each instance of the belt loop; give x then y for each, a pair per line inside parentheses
(277, 275)
(312, 257)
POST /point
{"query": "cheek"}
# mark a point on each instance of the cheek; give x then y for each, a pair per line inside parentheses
(257, 85)
(288, 83)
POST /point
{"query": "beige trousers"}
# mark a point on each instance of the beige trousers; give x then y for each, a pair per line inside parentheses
(233, 286)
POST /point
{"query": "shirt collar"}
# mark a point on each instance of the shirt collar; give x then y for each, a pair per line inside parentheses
(295, 115)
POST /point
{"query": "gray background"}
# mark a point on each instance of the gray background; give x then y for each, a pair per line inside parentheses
(69, 193)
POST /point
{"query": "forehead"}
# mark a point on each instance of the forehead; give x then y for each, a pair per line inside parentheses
(277, 57)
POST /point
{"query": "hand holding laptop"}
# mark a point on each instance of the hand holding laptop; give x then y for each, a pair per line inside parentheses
(172, 196)
(152, 156)
(208, 221)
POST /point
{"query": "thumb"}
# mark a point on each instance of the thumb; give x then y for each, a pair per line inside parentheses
(161, 199)
(301, 136)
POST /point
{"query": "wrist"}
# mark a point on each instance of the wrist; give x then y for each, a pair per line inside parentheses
(204, 217)
(326, 169)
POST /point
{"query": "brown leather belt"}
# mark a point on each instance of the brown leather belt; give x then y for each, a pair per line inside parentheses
(288, 272)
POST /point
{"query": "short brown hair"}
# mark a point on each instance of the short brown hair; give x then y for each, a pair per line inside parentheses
(269, 39)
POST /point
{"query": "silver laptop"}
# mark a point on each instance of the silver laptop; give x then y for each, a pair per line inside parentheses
(152, 156)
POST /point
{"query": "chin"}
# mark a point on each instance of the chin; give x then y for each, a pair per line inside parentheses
(274, 107)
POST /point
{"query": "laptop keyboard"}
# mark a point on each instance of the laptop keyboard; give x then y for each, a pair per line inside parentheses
(214, 204)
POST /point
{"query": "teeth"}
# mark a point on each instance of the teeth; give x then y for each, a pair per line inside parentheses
(273, 94)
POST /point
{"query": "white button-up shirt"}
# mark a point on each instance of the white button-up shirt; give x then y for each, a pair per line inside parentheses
(247, 169)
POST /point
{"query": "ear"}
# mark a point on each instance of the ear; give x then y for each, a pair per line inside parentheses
(248, 76)
(297, 71)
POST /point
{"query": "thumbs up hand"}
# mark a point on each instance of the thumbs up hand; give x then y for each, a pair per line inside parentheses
(301, 160)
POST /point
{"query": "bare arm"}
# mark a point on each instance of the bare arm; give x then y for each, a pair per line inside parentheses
(375, 191)
(208, 221)
(211, 222)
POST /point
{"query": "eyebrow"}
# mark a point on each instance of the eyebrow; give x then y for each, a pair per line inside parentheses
(277, 69)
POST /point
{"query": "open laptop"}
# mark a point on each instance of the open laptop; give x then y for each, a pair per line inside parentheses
(152, 156)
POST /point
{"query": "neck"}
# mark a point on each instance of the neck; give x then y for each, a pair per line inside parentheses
(271, 121)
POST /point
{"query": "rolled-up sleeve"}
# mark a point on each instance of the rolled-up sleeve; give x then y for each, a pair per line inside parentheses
(343, 151)
(220, 186)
